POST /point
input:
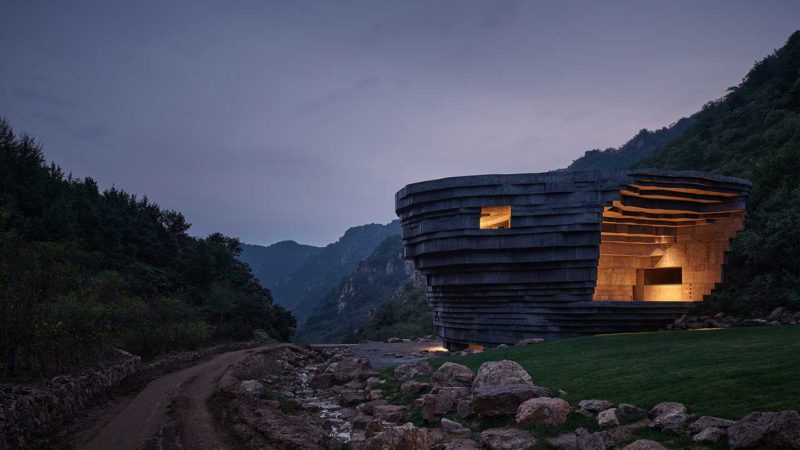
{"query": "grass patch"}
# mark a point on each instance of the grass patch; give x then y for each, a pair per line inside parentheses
(725, 373)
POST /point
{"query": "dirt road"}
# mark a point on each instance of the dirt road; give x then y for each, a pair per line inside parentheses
(171, 411)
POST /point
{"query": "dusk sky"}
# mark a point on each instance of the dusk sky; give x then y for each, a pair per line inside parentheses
(296, 120)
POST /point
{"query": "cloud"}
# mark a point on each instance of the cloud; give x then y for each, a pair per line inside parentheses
(339, 95)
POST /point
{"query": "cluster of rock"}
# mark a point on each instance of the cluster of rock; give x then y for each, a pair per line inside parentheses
(30, 416)
(504, 388)
(778, 316)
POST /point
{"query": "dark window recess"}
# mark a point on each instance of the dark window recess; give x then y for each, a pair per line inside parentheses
(664, 275)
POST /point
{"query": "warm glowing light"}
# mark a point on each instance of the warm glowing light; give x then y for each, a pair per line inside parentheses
(435, 348)
(494, 217)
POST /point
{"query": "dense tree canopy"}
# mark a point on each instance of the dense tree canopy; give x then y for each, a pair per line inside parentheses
(754, 132)
(82, 270)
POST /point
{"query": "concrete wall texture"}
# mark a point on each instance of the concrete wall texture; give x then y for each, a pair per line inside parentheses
(580, 255)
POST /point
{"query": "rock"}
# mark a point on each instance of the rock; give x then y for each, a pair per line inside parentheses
(375, 394)
(409, 371)
(670, 422)
(412, 388)
(709, 435)
(404, 437)
(753, 323)
(460, 443)
(453, 427)
(373, 427)
(350, 398)
(529, 341)
(360, 421)
(494, 373)
(452, 374)
(594, 406)
(546, 410)
(350, 369)
(592, 441)
(322, 381)
(373, 382)
(491, 401)
(608, 418)
(776, 314)
(566, 441)
(448, 397)
(664, 408)
(464, 409)
(369, 407)
(708, 422)
(252, 387)
(393, 340)
(627, 413)
(507, 439)
(644, 444)
(391, 413)
(766, 430)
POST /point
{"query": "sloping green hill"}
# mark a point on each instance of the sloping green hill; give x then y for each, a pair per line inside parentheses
(754, 132)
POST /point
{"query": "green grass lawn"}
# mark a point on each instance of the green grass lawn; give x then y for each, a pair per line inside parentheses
(725, 373)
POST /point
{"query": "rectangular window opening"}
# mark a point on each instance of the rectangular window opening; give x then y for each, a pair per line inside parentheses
(663, 275)
(495, 217)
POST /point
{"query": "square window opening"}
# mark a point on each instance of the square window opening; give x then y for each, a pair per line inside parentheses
(495, 217)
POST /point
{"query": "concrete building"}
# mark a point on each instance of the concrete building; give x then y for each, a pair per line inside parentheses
(563, 254)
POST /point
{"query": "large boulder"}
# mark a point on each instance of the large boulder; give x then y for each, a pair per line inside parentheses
(594, 406)
(453, 427)
(665, 408)
(644, 444)
(252, 387)
(453, 375)
(669, 417)
(709, 435)
(766, 430)
(350, 369)
(584, 440)
(412, 388)
(608, 418)
(409, 371)
(709, 422)
(544, 410)
(391, 413)
(403, 437)
(502, 400)
(507, 439)
(494, 373)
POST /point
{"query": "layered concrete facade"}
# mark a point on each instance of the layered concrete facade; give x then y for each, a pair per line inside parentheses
(563, 254)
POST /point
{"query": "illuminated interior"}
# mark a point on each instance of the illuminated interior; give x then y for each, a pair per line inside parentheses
(665, 243)
(495, 217)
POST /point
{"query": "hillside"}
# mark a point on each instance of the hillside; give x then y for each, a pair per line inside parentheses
(644, 144)
(305, 287)
(754, 132)
(381, 298)
(273, 263)
(84, 270)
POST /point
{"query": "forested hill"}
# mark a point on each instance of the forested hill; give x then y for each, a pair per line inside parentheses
(754, 132)
(644, 144)
(305, 287)
(375, 280)
(82, 270)
(273, 263)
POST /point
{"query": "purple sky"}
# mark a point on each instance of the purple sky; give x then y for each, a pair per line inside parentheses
(296, 120)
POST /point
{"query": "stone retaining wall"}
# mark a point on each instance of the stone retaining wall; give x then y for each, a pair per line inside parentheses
(29, 415)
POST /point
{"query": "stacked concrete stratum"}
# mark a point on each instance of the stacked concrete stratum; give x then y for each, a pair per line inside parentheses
(539, 278)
